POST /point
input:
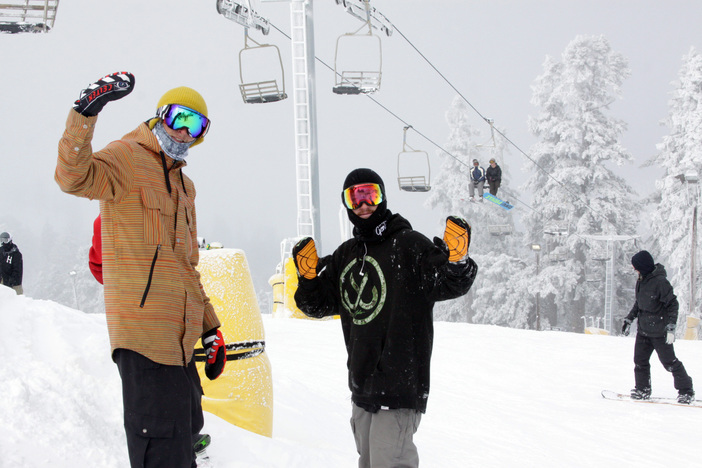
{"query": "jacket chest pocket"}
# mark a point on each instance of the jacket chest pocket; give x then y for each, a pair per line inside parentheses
(158, 213)
(189, 205)
(189, 224)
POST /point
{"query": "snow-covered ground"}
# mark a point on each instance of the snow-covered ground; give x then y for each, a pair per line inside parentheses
(500, 398)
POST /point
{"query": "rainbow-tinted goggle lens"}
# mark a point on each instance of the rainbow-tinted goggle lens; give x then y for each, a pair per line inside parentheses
(356, 195)
(176, 117)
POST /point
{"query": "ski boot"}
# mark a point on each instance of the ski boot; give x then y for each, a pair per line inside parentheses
(199, 445)
(686, 397)
(641, 393)
(201, 441)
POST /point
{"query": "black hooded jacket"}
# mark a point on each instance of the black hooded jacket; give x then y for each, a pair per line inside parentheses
(656, 305)
(11, 268)
(384, 288)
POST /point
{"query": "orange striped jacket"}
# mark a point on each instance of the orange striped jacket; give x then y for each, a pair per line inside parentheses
(154, 300)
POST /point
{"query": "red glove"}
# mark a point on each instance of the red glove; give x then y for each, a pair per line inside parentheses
(215, 352)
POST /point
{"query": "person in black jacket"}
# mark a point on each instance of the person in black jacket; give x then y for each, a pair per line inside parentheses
(656, 307)
(11, 268)
(493, 176)
(383, 283)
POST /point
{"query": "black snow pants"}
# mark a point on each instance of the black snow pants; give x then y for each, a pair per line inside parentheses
(162, 411)
(643, 348)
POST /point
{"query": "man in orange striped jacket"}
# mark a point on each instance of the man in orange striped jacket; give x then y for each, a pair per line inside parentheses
(155, 304)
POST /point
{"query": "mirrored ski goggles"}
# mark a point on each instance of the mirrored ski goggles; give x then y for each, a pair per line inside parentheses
(177, 117)
(356, 195)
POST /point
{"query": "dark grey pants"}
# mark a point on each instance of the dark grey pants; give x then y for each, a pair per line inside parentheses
(479, 186)
(643, 349)
(384, 439)
(162, 411)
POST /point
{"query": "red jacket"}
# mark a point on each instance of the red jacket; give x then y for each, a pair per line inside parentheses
(95, 254)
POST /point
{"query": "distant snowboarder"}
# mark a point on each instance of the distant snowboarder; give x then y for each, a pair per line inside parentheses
(656, 307)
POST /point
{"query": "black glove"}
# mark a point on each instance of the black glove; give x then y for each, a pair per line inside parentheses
(626, 326)
(215, 352)
(457, 238)
(305, 256)
(110, 88)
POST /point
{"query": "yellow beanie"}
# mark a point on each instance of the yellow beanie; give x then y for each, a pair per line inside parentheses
(184, 96)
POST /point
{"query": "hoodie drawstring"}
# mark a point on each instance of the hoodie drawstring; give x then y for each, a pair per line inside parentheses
(165, 172)
(182, 182)
(363, 263)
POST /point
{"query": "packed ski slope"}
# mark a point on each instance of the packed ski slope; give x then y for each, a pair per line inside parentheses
(500, 398)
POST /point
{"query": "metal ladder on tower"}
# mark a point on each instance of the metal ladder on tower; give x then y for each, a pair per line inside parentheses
(609, 284)
(305, 159)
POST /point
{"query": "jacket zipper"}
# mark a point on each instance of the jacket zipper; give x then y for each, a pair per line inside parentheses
(151, 275)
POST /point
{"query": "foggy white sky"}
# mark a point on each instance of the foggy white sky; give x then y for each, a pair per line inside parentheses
(244, 172)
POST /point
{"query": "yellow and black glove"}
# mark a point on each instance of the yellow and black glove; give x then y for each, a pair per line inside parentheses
(457, 238)
(305, 256)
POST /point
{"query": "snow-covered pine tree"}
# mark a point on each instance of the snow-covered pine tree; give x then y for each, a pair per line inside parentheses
(575, 193)
(495, 297)
(61, 254)
(680, 155)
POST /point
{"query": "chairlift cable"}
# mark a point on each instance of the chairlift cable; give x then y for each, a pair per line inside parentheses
(524, 153)
(404, 122)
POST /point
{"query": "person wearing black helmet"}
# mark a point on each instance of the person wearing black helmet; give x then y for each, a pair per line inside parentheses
(11, 269)
(383, 283)
(656, 307)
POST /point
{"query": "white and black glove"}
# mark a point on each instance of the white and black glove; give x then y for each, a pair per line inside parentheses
(670, 333)
(110, 88)
(626, 326)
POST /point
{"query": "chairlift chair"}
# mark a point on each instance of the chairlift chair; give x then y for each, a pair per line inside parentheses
(599, 255)
(500, 229)
(556, 256)
(34, 16)
(557, 228)
(259, 92)
(363, 81)
(254, 92)
(412, 182)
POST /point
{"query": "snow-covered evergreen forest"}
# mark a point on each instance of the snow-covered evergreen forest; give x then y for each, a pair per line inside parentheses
(570, 198)
(573, 208)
